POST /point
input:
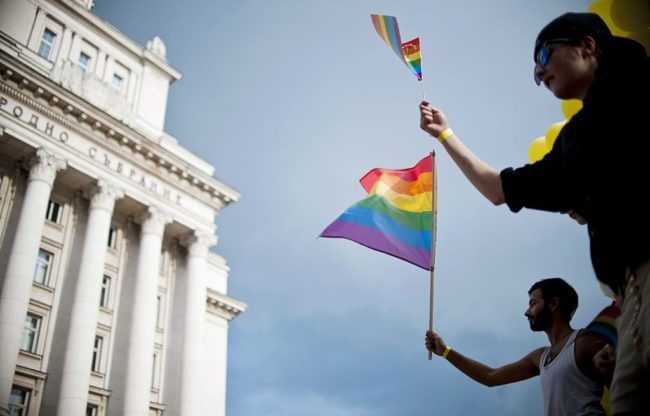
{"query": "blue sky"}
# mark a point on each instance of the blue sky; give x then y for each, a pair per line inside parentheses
(292, 102)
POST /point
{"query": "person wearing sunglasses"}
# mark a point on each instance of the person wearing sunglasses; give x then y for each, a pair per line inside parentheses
(597, 171)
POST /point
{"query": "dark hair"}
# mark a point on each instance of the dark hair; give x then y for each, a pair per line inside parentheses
(574, 26)
(558, 288)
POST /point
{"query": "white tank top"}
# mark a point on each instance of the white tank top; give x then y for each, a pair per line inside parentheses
(566, 391)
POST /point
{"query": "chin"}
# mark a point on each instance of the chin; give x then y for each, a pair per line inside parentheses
(563, 96)
(563, 93)
(560, 94)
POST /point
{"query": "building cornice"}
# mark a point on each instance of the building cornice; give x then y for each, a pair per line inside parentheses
(224, 306)
(71, 111)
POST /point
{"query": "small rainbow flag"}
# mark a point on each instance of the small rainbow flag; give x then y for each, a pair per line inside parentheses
(396, 216)
(604, 325)
(388, 30)
(409, 52)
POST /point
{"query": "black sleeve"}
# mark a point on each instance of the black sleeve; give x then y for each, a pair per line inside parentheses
(541, 185)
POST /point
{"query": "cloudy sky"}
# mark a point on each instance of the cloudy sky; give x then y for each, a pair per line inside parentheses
(293, 101)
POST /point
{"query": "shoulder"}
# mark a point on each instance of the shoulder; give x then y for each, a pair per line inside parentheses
(586, 347)
(535, 356)
(588, 344)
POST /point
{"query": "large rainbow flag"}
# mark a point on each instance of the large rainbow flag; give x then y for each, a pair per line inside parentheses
(396, 216)
(408, 52)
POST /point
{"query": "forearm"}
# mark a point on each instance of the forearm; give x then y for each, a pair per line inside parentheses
(473, 369)
(484, 178)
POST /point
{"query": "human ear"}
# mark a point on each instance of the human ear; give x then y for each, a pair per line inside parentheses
(588, 46)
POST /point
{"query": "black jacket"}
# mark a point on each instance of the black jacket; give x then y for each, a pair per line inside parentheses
(599, 166)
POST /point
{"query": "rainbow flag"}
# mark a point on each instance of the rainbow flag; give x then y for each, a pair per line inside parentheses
(411, 50)
(396, 216)
(604, 325)
(388, 30)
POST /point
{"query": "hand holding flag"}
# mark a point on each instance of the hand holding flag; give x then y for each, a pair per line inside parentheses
(398, 217)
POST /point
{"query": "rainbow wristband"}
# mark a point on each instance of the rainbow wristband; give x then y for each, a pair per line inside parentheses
(445, 134)
(446, 352)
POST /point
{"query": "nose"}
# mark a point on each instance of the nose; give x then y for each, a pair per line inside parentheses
(538, 72)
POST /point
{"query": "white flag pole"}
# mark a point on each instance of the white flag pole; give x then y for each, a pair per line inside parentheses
(424, 95)
(434, 204)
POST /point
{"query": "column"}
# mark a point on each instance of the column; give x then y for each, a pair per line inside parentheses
(39, 23)
(195, 303)
(143, 326)
(101, 65)
(68, 75)
(61, 62)
(17, 284)
(73, 52)
(109, 66)
(130, 95)
(66, 43)
(77, 362)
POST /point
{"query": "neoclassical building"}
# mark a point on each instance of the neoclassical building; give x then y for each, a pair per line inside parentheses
(111, 302)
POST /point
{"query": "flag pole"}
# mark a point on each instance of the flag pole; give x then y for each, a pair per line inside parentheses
(434, 203)
(424, 95)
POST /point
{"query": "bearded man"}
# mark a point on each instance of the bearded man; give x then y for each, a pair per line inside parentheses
(571, 383)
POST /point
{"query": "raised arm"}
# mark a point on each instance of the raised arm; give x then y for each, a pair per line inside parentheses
(484, 178)
(525, 368)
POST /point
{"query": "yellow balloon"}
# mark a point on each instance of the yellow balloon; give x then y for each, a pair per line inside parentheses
(603, 8)
(631, 15)
(570, 107)
(552, 132)
(607, 291)
(537, 149)
(604, 400)
(643, 37)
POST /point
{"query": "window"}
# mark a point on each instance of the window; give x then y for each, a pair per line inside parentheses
(161, 262)
(92, 410)
(117, 82)
(19, 401)
(106, 290)
(47, 42)
(84, 62)
(43, 266)
(112, 238)
(53, 212)
(30, 333)
(158, 311)
(154, 384)
(97, 354)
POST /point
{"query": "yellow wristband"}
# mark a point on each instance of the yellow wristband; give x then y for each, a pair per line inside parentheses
(445, 134)
(446, 352)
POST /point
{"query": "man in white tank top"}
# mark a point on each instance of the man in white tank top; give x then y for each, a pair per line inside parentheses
(571, 384)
